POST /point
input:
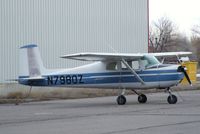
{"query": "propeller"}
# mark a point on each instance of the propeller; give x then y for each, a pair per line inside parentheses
(183, 69)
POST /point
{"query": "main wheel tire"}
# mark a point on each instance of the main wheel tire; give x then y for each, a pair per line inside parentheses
(121, 100)
(142, 98)
(172, 99)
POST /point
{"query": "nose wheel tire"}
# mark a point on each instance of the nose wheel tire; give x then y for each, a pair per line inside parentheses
(172, 99)
(121, 100)
(142, 98)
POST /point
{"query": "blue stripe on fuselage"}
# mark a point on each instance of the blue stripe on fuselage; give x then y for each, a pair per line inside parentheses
(128, 79)
(114, 73)
(107, 77)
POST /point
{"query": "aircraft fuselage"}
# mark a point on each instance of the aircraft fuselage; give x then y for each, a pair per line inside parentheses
(95, 75)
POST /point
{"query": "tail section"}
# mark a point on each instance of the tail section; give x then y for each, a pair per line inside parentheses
(30, 64)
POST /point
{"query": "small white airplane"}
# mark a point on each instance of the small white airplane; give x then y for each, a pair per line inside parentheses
(109, 70)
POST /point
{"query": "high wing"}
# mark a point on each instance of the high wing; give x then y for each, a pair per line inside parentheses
(124, 57)
(118, 56)
(103, 56)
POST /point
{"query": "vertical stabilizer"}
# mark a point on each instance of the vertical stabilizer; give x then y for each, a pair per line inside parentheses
(30, 61)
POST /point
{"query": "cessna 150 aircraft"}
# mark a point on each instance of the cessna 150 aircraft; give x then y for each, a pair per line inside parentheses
(109, 70)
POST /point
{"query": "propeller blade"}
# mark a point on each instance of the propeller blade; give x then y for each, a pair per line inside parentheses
(182, 69)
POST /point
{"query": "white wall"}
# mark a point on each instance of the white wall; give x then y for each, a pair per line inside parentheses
(68, 26)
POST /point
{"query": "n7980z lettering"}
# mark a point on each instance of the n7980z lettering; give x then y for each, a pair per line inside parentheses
(65, 79)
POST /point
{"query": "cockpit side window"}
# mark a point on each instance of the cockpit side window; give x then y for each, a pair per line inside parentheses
(135, 65)
(148, 61)
(132, 63)
(143, 63)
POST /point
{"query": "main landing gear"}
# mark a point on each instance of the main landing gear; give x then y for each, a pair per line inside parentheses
(142, 98)
(121, 99)
(172, 99)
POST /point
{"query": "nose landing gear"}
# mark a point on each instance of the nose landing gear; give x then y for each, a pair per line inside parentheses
(172, 99)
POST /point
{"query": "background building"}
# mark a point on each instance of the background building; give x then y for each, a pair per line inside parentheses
(62, 27)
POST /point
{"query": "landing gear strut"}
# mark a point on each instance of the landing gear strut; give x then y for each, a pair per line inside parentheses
(172, 99)
(121, 99)
(141, 97)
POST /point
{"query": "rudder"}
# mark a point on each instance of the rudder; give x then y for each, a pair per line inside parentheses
(30, 63)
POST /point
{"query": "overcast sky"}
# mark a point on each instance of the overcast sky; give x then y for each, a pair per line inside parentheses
(184, 13)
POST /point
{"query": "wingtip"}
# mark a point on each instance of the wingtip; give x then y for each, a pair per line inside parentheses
(63, 56)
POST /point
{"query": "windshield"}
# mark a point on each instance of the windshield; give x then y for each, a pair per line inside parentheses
(149, 61)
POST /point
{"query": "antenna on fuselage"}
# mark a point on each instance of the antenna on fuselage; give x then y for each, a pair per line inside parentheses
(111, 47)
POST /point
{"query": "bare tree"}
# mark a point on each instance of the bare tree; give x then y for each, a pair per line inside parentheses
(164, 37)
(162, 34)
(195, 41)
(196, 30)
(180, 43)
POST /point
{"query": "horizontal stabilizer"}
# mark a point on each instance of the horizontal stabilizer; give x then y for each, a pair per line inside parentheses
(34, 78)
(28, 79)
(12, 80)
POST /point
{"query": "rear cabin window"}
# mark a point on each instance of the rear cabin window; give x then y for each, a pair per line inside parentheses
(111, 66)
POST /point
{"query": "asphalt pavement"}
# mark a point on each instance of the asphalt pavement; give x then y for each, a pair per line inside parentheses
(103, 116)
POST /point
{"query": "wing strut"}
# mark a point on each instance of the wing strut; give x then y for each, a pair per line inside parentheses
(133, 71)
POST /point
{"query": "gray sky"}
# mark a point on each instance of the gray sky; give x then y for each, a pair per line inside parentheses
(184, 13)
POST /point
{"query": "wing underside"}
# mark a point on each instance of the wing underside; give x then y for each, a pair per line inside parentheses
(119, 56)
(102, 56)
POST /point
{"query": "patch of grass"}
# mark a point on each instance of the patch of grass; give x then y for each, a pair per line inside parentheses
(15, 95)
